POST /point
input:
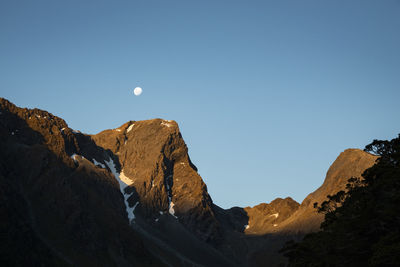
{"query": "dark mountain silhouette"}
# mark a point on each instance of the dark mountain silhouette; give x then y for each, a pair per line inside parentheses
(131, 196)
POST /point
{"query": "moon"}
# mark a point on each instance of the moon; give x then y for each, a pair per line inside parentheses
(137, 91)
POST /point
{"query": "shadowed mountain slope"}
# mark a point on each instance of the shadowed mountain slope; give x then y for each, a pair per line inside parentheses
(170, 200)
(57, 211)
(131, 196)
(155, 160)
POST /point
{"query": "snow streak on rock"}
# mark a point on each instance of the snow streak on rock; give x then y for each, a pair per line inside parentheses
(274, 215)
(166, 123)
(171, 209)
(74, 157)
(95, 162)
(169, 192)
(124, 182)
(130, 128)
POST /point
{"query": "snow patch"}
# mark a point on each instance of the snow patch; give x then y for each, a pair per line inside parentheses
(274, 215)
(12, 133)
(95, 162)
(170, 203)
(124, 182)
(171, 209)
(156, 220)
(118, 130)
(62, 129)
(167, 124)
(125, 178)
(275, 225)
(246, 226)
(74, 157)
(130, 128)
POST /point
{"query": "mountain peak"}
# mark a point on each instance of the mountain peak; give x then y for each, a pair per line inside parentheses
(154, 156)
(350, 163)
(71, 184)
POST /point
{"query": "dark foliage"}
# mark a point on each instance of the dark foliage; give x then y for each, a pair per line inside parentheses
(362, 224)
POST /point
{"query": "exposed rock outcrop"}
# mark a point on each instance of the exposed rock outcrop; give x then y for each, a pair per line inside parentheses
(350, 163)
(59, 211)
(264, 217)
(298, 220)
(154, 157)
(60, 190)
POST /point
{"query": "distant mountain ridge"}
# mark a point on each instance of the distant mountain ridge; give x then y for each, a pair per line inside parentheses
(158, 212)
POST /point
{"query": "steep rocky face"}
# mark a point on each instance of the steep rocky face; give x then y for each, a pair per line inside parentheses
(154, 159)
(72, 184)
(301, 219)
(55, 210)
(257, 234)
(350, 163)
(62, 189)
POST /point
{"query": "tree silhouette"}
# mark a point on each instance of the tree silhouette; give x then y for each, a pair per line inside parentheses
(362, 224)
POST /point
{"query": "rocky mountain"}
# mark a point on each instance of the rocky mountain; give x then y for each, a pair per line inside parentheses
(155, 161)
(264, 218)
(298, 220)
(59, 210)
(131, 196)
(350, 163)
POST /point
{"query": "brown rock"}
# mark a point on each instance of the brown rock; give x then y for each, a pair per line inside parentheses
(56, 211)
(153, 155)
(72, 212)
(350, 163)
(264, 218)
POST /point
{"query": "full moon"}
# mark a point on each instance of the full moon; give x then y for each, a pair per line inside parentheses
(137, 91)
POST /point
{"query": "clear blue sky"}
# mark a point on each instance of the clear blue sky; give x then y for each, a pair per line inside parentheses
(266, 93)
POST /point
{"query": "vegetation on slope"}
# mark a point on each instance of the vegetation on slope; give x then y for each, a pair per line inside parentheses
(361, 226)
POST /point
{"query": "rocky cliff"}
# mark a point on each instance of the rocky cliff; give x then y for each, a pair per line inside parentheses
(153, 157)
(275, 224)
(350, 163)
(57, 210)
(131, 196)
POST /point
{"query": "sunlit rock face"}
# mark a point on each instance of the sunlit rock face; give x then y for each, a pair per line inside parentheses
(350, 163)
(154, 156)
(57, 207)
(265, 218)
(285, 216)
(271, 225)
(130, 196)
